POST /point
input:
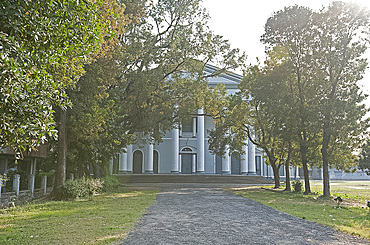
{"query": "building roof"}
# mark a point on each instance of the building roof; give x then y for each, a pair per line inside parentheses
(230, 80)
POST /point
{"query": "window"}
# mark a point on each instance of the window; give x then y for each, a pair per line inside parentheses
(187, 126)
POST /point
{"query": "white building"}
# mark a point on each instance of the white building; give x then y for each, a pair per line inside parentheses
(185, 150)
(335, 174)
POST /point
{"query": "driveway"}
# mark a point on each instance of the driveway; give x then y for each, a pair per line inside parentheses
(214, 216)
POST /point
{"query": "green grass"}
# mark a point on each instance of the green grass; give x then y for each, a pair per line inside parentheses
(352, 217)
(103, 219)
(359, 190)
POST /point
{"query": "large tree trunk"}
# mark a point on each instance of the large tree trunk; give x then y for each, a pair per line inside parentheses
(287, 176)
(303, 150)
(325, 159)
(275, 169)
(60, 172)
(287, 173)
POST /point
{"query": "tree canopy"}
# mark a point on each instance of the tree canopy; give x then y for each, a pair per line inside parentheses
(364, 158)
(307, 93)
(151, 80)
(44, 45)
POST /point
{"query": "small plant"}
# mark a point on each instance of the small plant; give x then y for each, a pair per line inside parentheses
(339, 200)
(110, 183)
(297, 186)
(81, 188)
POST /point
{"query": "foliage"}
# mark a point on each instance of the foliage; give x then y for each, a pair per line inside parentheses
(266, 118)
(80, 188)
(343, 31)
(44, 45)
(149, 83)
(110, 183)
(90, 221)
(297, 186)
(163, 59)
(291, 31)
(364, 158)
(305, 99)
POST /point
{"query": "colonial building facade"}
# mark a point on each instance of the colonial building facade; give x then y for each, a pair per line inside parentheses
(185, 150)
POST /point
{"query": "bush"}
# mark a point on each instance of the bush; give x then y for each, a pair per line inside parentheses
(81, 188)
(110, 183)
(297, 186)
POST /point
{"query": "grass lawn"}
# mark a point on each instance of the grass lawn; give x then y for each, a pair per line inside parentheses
(352, 217)
(102, 219)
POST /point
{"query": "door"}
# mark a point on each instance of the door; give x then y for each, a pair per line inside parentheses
(235, 166)
(155, 162)
(218, 165)
(186, 161)
(138, 162)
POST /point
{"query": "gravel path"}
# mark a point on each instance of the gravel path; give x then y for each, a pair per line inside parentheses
(215, 216)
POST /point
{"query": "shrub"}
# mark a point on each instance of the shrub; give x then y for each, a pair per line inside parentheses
(110, 183)
(81, 188)
(297, 186)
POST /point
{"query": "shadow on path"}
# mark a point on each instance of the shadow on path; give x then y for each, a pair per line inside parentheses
(215, 216)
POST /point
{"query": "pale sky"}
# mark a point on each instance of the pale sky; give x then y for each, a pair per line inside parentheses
(242, 23)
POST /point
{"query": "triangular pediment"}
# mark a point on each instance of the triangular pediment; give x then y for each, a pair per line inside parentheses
(230, 80)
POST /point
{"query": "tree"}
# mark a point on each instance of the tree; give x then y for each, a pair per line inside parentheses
(343, 31)
(102, 19)
(264, 118)
(94, 126)
(150, 81)
(164, 56)
(40, 40)
(291, 29)
(364, 158)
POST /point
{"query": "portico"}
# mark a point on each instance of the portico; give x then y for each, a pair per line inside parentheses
(185, 149)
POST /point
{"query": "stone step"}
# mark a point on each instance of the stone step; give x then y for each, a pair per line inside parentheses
(183, 178)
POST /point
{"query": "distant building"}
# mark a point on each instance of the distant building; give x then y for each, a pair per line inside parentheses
(185, 150)
(335, 174)
(26, 168)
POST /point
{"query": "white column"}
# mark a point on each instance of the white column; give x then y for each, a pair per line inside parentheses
(120, 163)
(261, 173)
(31, 178)
(194, 127)
(244, 161)
(44, 181)
(200, 142)
(226, 163)
(265, 174)
(175, 150)
(16, 182)
(296, 176)
(271, 172)
(180, 162)
(149, 159)
(122, 167)
(194, 163)
(32, 184)
(111, 166)
(129, 158)
(251, 158)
